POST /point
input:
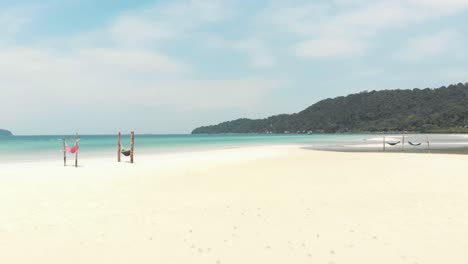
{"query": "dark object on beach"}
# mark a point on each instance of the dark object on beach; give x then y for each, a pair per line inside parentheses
(123, 151)
(126, 153)
(414, 144)
(393, 143)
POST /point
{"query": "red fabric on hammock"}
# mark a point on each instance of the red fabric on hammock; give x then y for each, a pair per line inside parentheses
(72, 150)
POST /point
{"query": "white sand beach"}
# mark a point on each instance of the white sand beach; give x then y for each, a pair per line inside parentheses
(271, 204)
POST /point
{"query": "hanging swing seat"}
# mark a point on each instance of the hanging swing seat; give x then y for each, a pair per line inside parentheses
(126, 153)
(71, 150)
(414, 144)
(393, 143)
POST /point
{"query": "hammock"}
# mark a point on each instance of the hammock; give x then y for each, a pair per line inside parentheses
(126, 153)
(71, 150)
(393, 143)
(414, 144)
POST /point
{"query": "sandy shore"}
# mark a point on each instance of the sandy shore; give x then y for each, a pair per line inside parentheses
(277, 204)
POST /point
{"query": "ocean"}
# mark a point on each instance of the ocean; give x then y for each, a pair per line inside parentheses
(33, 148)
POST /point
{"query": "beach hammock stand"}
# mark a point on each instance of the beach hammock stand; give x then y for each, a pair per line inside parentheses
(384, 142)
(71, 150)
(126, 152)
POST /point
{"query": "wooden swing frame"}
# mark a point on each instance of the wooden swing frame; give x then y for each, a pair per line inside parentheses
(119, 146)
(77, 139)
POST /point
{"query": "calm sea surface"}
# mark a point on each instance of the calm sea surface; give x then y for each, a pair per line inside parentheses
(34, 147)
(30, 148)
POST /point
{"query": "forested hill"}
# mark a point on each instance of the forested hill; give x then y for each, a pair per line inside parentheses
(421, 110)
(4, 132)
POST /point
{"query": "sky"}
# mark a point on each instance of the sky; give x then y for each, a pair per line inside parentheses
(98, 67)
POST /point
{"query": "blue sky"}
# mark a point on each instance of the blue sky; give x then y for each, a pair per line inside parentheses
(170, 66)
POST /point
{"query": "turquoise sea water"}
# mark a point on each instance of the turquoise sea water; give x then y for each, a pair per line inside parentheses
(34, 148)
(28, 148)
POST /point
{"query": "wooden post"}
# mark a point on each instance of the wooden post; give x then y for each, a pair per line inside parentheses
(403, 143)
(428, 145)
(132, 146)
(76, 153)
(119, 146)
(383, 143)
(64, 152)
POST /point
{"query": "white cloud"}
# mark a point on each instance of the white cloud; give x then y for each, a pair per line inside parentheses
(124, 62)
(261, 58)
(93, 73)
(322, 47)
(135, 31)
(357, 23)
(455, 75)
(443, 43)
(259, 54)
(256, 50)
(168, 20)
(97, 84)
(285, 17)
(437, 7)
(12, 21)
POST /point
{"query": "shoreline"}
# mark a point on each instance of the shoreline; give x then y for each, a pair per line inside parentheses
(441, 148)
(146, 153)
(454, 150)
(96, 158)
(49, 147)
